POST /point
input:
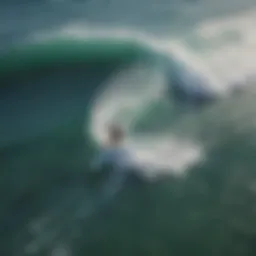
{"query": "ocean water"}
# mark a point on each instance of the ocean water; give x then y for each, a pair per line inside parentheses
(69, 68)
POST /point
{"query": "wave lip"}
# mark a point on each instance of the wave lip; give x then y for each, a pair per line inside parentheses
(73, 45)
(57, 52)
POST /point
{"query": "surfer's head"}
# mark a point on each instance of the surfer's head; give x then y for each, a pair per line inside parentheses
(115, 135)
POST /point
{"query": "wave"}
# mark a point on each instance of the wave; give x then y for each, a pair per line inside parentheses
(152, 69)
(103, 49)
(135, 71)
(182, 68)
(155, 71)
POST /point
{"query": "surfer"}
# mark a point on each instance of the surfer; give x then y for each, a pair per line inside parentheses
(113, 152)
(115, 136)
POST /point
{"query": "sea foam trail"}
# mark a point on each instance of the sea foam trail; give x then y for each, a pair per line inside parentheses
(67, 220)
(127, 98)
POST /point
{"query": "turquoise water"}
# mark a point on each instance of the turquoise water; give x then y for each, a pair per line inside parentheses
(69, 68)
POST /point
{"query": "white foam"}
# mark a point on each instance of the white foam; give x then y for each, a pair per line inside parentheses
(232, 61)
(127, 96)
(158, 155)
